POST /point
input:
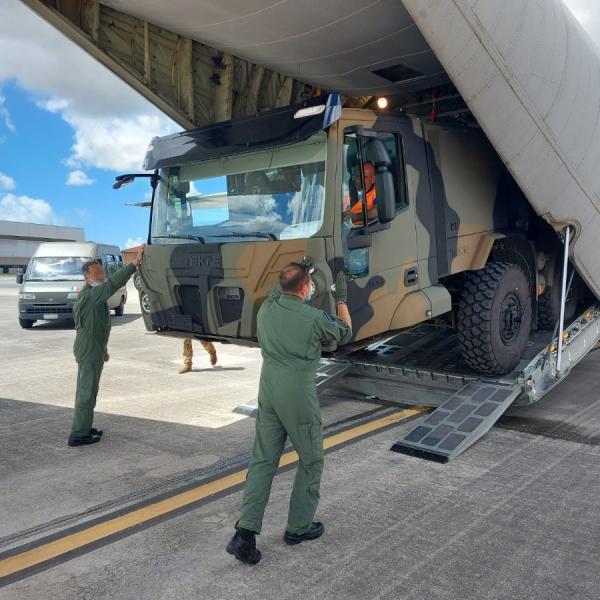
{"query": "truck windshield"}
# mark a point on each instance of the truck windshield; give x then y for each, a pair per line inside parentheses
(271, 194)
(55, 268)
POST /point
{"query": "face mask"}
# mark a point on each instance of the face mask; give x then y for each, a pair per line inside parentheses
(311, 291)
(96, 283)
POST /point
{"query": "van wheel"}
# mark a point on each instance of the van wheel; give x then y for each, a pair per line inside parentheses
(26, 323)
(549, 301)
(145, 302)
(119, 310)
(137, 281)
(494, 318)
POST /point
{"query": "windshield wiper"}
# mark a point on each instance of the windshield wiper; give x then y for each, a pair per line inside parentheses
(261, 234)
(197, 238)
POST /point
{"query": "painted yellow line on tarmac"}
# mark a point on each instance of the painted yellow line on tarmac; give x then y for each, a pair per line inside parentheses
(73, 541)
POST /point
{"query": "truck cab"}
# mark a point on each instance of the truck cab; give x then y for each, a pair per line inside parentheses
(234, 202)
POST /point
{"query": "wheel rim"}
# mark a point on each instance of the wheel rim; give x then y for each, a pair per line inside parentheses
(510, 318)
(146, 303)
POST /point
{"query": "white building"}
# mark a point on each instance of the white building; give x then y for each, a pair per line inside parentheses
(18, 241)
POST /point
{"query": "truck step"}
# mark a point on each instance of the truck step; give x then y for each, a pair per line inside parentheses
(459, 422)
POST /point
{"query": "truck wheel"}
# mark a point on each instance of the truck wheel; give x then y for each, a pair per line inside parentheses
(119, 310)
(26, 323)
(137, 281)
(494, 318)
(549, 301)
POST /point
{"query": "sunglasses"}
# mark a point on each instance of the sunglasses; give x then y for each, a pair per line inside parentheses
(307, 270)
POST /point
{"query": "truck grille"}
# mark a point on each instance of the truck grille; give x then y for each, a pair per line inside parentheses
(38, 309)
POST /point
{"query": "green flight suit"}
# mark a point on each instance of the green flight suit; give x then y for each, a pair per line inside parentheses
(289, 334)
(92, 323)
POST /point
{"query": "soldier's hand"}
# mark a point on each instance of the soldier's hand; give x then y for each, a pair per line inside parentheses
(138, 257)
(106, 357)
(340, 288)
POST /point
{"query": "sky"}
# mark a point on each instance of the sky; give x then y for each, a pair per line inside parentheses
(68, 126)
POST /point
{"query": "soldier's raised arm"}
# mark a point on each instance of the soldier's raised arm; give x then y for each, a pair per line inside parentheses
(338, 329)
(103, 291)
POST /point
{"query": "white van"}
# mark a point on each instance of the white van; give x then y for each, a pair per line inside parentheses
(53, 279)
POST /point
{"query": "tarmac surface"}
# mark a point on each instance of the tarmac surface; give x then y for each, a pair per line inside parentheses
(147, 512)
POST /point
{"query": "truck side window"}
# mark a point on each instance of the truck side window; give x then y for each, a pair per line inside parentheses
(356, 262)
(393, 143)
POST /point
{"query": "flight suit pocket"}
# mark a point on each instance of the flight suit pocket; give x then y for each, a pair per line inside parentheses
(310, 442)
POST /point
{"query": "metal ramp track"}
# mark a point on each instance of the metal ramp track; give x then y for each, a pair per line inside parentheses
(459, 422)
(328, 372)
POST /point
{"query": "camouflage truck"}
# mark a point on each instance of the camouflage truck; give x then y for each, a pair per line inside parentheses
(453, 238)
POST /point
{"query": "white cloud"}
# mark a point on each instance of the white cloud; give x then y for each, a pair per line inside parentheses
(79, 178)
(132, 242)
(112, 123)
(5, 115)
(114, 143)
(6, 182)
(27, 210)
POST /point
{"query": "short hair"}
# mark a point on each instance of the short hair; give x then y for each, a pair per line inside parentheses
(85, 267)
(293, 277)
(371, 163)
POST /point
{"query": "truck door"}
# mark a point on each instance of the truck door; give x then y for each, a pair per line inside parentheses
(384, 272)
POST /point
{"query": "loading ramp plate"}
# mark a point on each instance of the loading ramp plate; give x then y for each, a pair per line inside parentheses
(459, 422)
(328, 372)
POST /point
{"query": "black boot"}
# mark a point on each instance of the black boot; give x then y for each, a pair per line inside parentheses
(83, 440)
(243, 546)
(315, 531)
(94, 431)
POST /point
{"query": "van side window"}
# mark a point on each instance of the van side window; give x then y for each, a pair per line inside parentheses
(110, 264)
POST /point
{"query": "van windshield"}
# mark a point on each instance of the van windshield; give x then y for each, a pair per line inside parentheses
(56, 268)
(269, 194)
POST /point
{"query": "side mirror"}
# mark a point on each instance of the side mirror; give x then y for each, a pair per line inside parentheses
(20, 278)
(386, 193)
(122, 181)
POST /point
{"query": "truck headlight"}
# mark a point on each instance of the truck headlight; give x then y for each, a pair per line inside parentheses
(26, 296)
(72, 295)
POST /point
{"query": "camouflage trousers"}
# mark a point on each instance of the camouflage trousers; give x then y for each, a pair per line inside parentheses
(188, 351)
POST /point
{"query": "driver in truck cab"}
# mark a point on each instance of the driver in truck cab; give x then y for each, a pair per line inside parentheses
(370, 195)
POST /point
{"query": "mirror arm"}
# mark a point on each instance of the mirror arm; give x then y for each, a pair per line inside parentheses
(119, 179)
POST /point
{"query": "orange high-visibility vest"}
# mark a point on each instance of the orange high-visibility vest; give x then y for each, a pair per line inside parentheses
(357, 208)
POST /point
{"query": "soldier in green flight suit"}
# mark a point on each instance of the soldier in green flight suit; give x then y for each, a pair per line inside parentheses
(92, 323)
(290, 333)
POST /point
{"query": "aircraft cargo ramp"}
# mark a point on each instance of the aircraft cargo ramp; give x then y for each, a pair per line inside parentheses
(526, 70)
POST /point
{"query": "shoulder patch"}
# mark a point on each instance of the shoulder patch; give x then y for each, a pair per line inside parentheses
(328, 317)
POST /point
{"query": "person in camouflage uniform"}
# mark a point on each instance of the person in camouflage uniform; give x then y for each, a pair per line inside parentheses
(188, 354)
